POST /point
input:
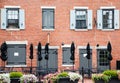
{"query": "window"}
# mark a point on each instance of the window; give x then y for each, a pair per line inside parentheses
(16, 54)
(108, 16)
(103, 58)
(108, 19)
(47, 18)
(81, 19)
(12, 18)
(81, 16)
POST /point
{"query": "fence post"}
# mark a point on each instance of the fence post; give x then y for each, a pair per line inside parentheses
(82, 75)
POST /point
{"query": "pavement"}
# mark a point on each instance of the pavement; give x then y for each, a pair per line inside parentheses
(86, 80)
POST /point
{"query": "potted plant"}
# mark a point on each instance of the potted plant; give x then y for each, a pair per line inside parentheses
(108, 76)
(64, 77)
(113, 74)
(29, 78)
(100, 78)
(15, 77)
(4, 78)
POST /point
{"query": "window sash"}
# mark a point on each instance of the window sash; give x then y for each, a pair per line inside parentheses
(103, 58)
(108, 18)
(81, 19)
(13, 17)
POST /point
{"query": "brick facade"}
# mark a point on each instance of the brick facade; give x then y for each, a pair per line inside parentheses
(33, 32)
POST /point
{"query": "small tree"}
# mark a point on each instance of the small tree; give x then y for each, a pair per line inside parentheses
(4, 52)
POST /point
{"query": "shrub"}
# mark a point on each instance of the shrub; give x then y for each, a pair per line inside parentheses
(112, 73)
(63, 74)
(103, 77)
(15, 74)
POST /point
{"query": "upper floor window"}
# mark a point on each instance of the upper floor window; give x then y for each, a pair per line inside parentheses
(47, 18)
(81, 19)
(12, 18)
(108, 16)
(108, 19)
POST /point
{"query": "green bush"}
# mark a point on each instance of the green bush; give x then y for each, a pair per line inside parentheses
(111, 73)
(103, 77)
(15, 74)
(63, 74)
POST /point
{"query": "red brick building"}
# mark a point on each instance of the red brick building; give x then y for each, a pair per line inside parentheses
(59, 22)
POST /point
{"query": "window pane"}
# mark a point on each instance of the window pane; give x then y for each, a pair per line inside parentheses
(81, 16)
(12, 16)
(108, 20)
(103, 58)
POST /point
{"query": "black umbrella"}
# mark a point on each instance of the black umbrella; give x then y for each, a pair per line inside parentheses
(88, 57)
(109, 49)
(72, 51)
(31, 56)
(88, 51)
(47, 55)
(46, 51)
(4, 52)
(39, 52)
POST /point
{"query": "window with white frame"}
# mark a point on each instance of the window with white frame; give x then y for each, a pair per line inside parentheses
(47, 18)
(13, 18)
(108, 19)
(103, 57)
(108, 16)
(81, 19)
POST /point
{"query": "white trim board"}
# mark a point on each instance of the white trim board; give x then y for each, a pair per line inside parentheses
(48, 7)
(17, 42)
(10, 6)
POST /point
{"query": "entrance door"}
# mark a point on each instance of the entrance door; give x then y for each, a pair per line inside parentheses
(52, 61)
(84, 62)
(102, 59)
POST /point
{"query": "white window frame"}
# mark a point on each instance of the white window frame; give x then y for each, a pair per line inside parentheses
(16, 42)
(49, 7)
(66, 46)
(108, 7)
(13, 29)
(83, 8)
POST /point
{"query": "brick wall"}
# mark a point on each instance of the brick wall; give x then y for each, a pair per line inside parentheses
(62, 33)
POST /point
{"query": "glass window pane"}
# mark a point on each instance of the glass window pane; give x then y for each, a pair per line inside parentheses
(108, 21)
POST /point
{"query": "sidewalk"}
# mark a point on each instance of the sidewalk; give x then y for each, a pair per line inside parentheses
(86, 80)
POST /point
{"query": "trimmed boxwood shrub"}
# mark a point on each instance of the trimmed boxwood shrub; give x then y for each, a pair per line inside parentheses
(16, 74)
